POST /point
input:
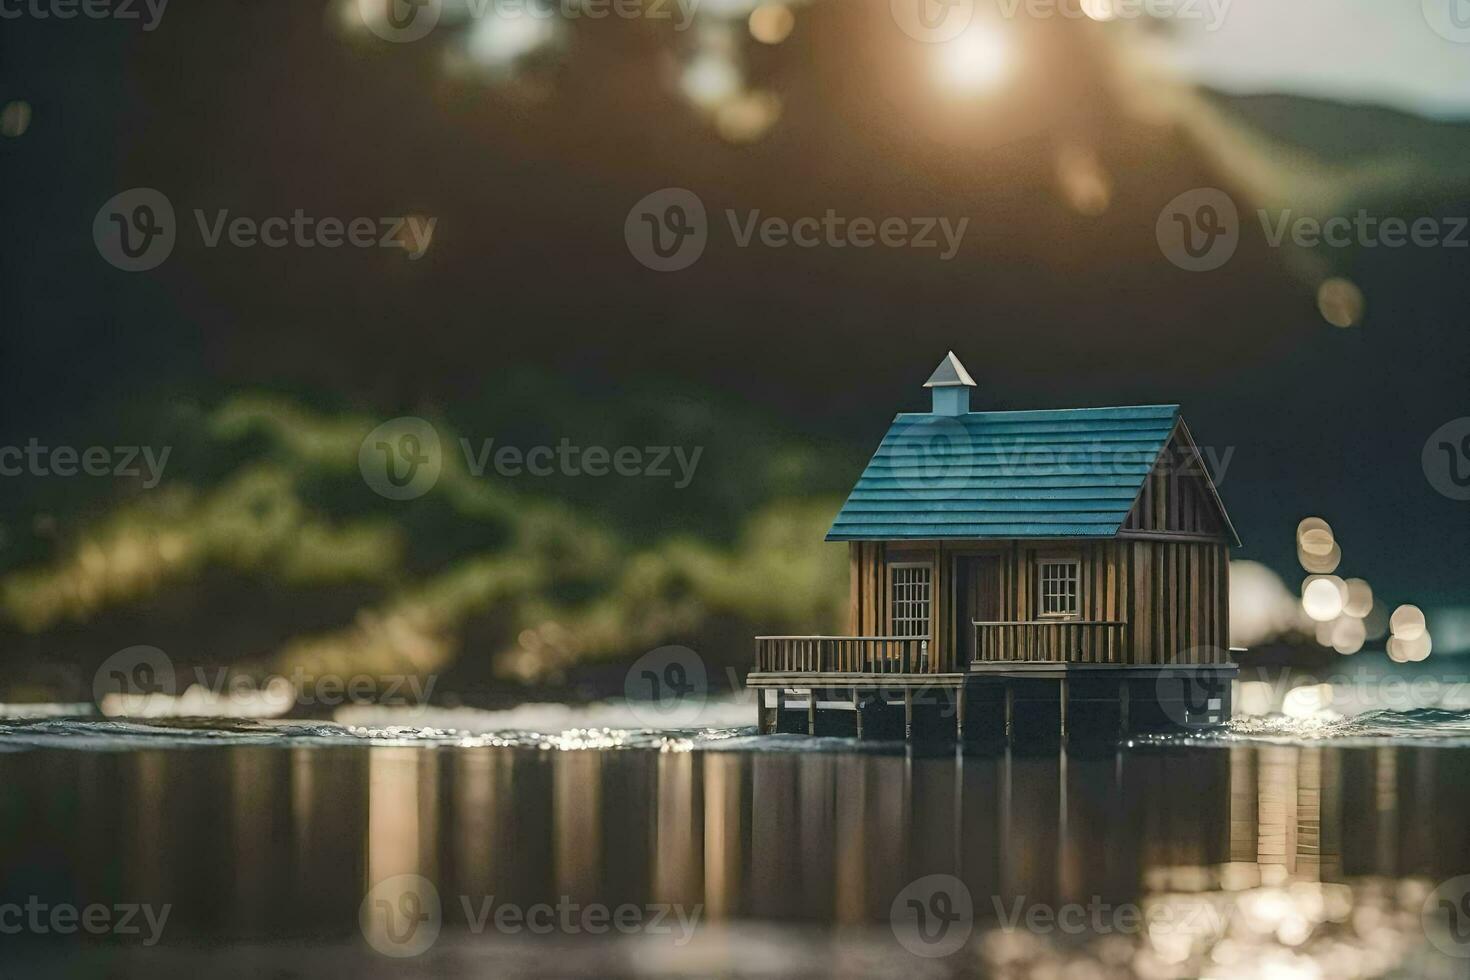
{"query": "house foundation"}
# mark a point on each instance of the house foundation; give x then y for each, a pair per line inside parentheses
(998, 701)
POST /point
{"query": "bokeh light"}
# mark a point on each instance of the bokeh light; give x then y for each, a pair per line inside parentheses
(771, 23)
(1348, 635)
(15, 118)
(1407, 622)
(1359, 598)
(1084, 182)
(498, 42)
(974, 63)
(1316, 547)
(1340, 302)
(1323, 596)
(746, 118)
(710, 80)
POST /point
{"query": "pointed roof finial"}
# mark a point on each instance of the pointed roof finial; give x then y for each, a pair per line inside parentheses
(949, 374)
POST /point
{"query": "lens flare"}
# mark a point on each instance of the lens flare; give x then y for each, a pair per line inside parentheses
(974, 63)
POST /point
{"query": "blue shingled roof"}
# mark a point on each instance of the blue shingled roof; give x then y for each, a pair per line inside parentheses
(1065, 473)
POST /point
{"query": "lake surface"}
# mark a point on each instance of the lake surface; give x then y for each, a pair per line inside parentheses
(1280, 848)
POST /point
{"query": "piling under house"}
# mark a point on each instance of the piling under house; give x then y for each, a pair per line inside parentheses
(1066, 565)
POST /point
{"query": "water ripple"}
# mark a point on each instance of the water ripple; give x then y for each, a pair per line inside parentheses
(1429, 726)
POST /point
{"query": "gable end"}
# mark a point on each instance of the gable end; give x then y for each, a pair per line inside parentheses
(1178, 498)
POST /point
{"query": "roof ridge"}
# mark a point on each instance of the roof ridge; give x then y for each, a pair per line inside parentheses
(1020, 411)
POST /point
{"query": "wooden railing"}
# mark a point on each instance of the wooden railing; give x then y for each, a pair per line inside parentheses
(849, 655)
(1100, 641)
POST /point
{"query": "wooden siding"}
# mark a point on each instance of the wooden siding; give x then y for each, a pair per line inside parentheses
(1176, 496)
(869, 610)
(1173, 593)
(1180, 609)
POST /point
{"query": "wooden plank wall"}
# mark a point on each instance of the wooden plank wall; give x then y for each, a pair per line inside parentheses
(1175, 497)
(1180, 611)
(1103, 595)
(868, 604)
(1173, 594)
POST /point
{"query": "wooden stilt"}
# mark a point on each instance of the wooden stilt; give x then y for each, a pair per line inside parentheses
(959, 713)
(1010, 709)
(908, 712)
(811, 712)
(857, 710)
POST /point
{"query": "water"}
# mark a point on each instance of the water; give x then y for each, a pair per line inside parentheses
(1281, 847)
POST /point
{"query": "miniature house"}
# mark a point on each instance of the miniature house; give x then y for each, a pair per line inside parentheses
(1056, 557)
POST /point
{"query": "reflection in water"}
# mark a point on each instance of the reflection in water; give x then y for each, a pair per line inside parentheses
(1269, 860)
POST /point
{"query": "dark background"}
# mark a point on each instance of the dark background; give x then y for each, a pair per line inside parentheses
(528, 319)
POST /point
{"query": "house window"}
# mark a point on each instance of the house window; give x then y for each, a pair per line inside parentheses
(911, 595)
(1059, 587)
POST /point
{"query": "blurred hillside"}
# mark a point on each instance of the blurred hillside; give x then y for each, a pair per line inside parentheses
(266, 549)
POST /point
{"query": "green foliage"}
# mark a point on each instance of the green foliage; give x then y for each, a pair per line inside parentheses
(557, 571)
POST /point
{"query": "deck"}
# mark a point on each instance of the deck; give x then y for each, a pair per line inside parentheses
(1057, 666)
